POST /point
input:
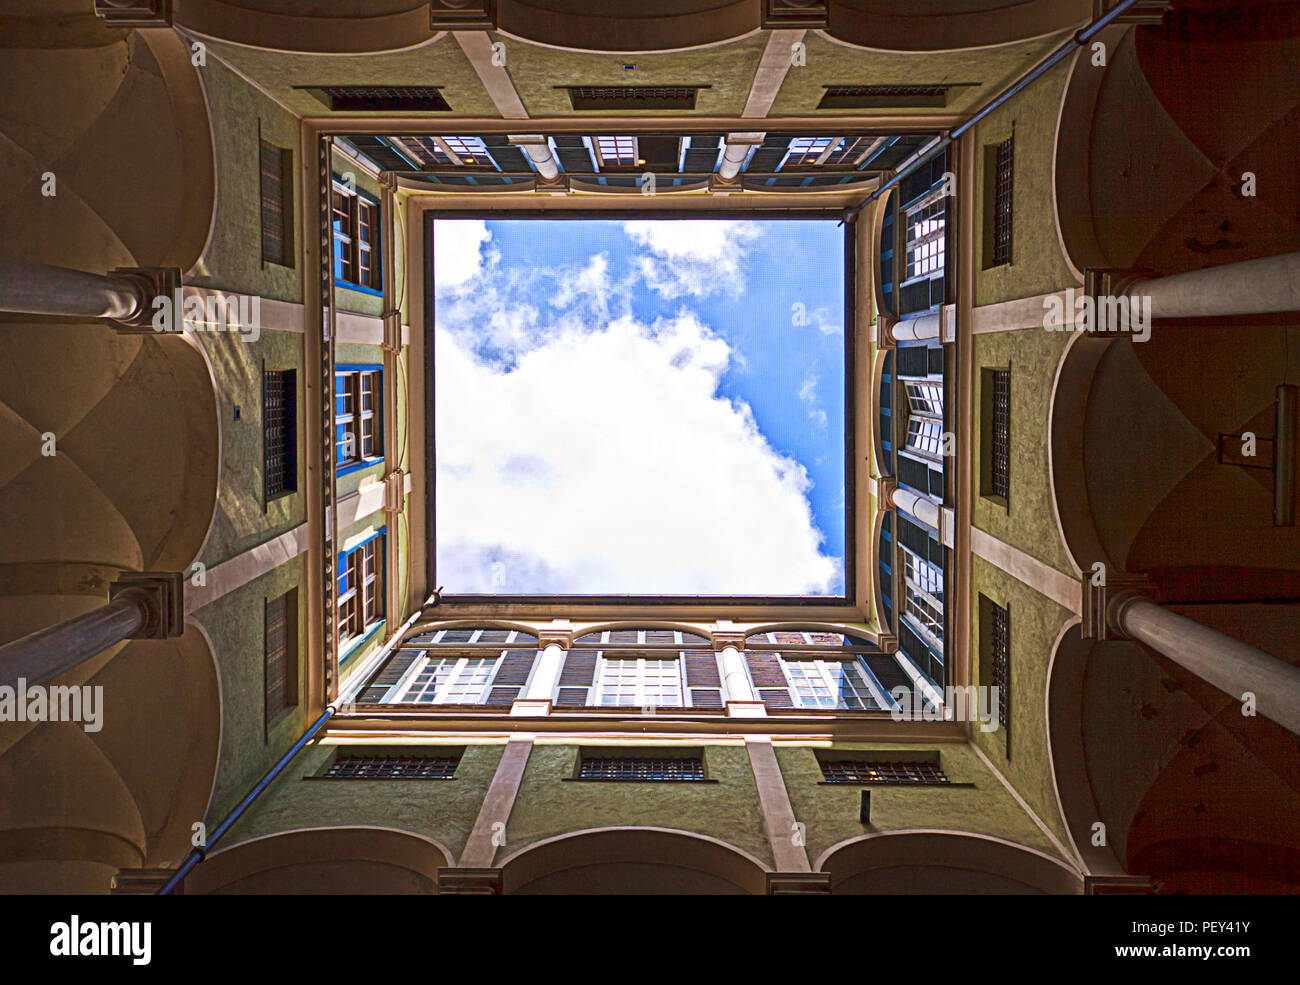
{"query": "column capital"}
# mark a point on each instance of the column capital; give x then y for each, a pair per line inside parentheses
(885, 486)
(392, 332)
(469, 882)
(1118, 885)
(559, 185)
(1103, 605)
(154, 282)
(134, 13)
(142, 882)
(719, 185)
(798, 883)
(887, 642)
(388, 181)
(555, 637)
(884, 332)
(394, 491)
(463, 15)
(725, 638)
(163, 595)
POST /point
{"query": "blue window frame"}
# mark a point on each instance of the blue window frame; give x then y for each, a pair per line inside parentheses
(361, 586)
(358, 416)
(354, 218)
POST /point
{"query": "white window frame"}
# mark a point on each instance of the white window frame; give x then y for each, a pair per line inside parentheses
(924, 238)
(398, 692)
(683, 696)
(616, 162)
(919, 583)
(823, 668)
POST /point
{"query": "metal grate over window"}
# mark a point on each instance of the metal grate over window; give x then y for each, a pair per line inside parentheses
(372, 98)
(633, 97)
(645, 768)
(1002, 203)
(868, 96)
(393, 768)
(279, 430)
(1000, 634)
(1001, 451)
(859, 771)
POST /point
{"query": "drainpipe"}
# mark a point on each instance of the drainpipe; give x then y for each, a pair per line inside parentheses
(199, 854)
(1067, 47)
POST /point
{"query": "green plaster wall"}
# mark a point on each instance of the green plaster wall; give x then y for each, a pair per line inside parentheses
(831, 63)
(1037, 265)
(243, 520)
(440, 63)
(728, 810)
(236, 626)
(1027, 522)
(1035, 622)
(233, 260)
(444, 810)
(830, 811)
(727, 69)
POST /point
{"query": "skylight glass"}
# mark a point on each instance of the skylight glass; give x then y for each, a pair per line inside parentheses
(639, 408)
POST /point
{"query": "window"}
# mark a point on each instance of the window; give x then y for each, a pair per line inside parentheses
(450, 680)
(280, 654)
(883, 96)
(925, 436)
(355, 218)
(809, 150)
(642, 768)
(860, 771)
(368, 767)
(380, 98)
(925, 239)
(633, 97)
(995, 650)
(923, 588)
(828, 684)
(616, 152)
(277, 182)
(995, 435)
(465, 150)
(924, 398)
(999, 164)
(462, 666)
(280, 431)
(361, 588)
(639, 680)
(358, 416)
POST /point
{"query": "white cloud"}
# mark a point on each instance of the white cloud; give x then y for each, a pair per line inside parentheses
(604, 462)
(697, 257)
(808, 394)
(457, 252)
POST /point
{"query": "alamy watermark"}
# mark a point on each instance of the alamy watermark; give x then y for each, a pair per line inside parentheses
(1082, 312)
(216, 312)
(973, 703)
(58, 703)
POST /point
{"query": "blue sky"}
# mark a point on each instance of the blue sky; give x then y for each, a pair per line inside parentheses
(640, 407)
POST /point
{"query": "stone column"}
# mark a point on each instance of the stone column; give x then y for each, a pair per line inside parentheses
(917, 328)
(539, 151)
(124, 296)
(737, 149)
(536, 700)
(141, 605)
(1269, 284)
(1230, 665)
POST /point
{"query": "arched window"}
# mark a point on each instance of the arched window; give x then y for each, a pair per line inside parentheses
(640, 668)
(821, 670)
(461, 665)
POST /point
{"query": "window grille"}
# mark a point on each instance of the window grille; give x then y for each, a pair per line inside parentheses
(280, 654)
(1002, 211)
(1001, 443)
(644, 768)
(276, 203)
(1000, 645)
(381, 98)
(279, 431)
(393, 768)
(859, 771)
(632, 97)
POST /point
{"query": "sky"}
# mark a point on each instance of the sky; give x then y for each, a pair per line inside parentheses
(639, 407)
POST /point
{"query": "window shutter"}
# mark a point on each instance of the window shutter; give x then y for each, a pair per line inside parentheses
(391, 673)
(275, 218)
(277, 655)
(769, 679)
(511, 676)
(887, 671)
(576, 679)
(702, 679)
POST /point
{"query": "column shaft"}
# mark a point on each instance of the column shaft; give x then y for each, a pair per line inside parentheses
(925, 510)
(918, 328)
(547, 675)
(1247, 288)
(44, 655)
(735, 680)
(1230, 665)
(39, 289)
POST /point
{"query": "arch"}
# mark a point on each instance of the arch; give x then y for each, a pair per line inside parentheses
(932, 861)
(331, 26)
(642, 860)
(949, 25)
(804, 626)
(586, 630)
(324, 861)
(623, 26)
(422, 629)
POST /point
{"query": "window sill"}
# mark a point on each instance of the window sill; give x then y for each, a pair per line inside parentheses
(354, 644)
(634, 779)
(348, 286)
(358, 466)
(869, 783)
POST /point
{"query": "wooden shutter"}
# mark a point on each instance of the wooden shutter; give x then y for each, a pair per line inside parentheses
(277, 204)
(887, 671)
(511, 676)
(769, 679)
(702, 679)
(577, 678)
(279, 637)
